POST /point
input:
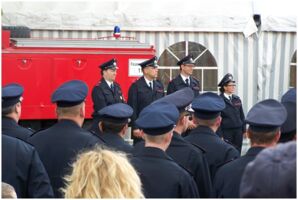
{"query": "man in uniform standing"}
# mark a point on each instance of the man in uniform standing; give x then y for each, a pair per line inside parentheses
(143, 92)
(161, 176)
(208, 107)
(11, 111)
(114, 124)
(58, 145)
(22, 168)
(185, 78)
(264, 119)
(106, 92)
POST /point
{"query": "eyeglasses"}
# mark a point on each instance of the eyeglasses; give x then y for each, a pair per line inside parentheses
(189, 116)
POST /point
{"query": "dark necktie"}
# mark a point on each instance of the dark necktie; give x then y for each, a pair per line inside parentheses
(187, 81)
(230, 98)
(112, 87)
(150, 85)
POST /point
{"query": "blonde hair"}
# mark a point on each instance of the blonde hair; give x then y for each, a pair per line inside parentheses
(72, 111)
(102, 173)
(8, 192)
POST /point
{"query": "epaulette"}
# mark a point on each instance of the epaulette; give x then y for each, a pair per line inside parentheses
(230, 143)
(226, 162)
(30, 129)
(199, 147)
(36, 132)
(96, 135)
(196, 80)
(98, 83)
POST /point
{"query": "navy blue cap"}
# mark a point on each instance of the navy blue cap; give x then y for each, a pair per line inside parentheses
(111, 64)
(149, 63)
(226, 79)
(11, 94)
(158, 118)
(208, 105)
(118, 112)
(272, 174)
(289, 102)
(266, 116)
(181, 98)
(186, 60)
(70, 93)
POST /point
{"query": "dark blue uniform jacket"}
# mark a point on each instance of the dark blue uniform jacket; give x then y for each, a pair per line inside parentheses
(178, 83)
(161, 177)
(22, 168)
(141, 95)
(193, 159)
(218, 152)
(116, 142)
(103, 95)
(228, 177)
(58, 147)
(11, 128)
(232, 115)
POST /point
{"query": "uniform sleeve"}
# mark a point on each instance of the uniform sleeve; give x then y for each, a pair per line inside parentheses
(242, 119)
(217, 184)
(38, 183)
(133, 102)
(171, 88)
(202, 177)
(98, 99)
(189, 188)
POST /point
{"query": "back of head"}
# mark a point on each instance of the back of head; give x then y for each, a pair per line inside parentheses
(8, 192)
(101, 173)
(288, 128)
(272, 174)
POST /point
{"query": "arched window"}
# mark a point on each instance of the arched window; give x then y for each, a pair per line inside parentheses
(205, 68)
(293, 67)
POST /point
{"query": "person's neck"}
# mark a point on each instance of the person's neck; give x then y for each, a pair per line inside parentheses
(228, 93)
(77, 119)
(13, 116)
(159, 146)
(272, 144)
(184, 74)
(179, 129)
(148, 78)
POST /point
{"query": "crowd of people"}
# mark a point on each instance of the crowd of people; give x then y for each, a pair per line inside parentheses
(187, 144)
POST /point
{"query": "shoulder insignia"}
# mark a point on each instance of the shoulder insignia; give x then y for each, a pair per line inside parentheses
(199, 147)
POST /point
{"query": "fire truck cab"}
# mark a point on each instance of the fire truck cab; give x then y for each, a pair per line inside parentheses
(41, 65)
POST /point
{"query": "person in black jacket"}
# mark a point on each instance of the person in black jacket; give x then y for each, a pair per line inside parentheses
(114, 124)
(11, 111)
(161, 176)
(22, 168)
(232, 125)
(58, 145)
(185, 78)
(143, 92)
(208, 107)
(264, 120)
(106, 92)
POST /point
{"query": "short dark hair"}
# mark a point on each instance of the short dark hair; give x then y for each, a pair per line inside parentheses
(112, 127)
(8, 110)
(257, 137)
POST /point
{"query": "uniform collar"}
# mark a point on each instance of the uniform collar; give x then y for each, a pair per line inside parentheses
(185, 77)
(152, 152)
(8, 120)
(108, 82)
(253, 151)
(147, 81)
(227, 96)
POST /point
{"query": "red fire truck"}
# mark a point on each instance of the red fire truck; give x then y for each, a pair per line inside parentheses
(41, 65)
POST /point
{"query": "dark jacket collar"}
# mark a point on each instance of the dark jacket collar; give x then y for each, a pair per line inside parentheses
(68, 123)
(8, 120)
(253, 151)
(205, 130)
(152, 152)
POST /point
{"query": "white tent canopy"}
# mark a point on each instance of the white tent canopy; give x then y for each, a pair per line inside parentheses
(162, 15)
